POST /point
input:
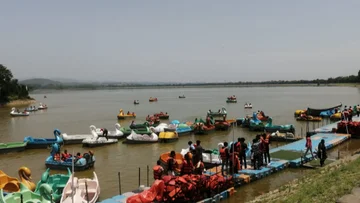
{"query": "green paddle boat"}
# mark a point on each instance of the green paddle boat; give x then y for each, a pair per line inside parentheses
(12, 147)
(57, 182)
(127, 130)
(27, 196)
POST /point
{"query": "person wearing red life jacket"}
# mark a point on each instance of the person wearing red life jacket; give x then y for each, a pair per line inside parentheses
(171, 164)
(224, 155)
(265, 139)
(187, 167)
(308, 146)
(158, 170)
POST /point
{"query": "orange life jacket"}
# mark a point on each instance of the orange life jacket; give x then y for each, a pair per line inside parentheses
(57, 157)
(238, 147)
(223, 154)
(187, 168)
(158, 170)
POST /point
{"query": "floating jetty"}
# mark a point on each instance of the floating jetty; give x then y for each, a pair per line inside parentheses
(290, 155)
(329, 128)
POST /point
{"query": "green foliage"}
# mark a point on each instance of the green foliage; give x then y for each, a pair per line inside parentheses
(10, 89)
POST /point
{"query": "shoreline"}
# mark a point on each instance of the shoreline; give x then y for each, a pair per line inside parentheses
(357, 85)
(19, 102)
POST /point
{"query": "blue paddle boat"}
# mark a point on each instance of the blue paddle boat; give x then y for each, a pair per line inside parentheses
(81, 164)
(181, 128)
(43, 143)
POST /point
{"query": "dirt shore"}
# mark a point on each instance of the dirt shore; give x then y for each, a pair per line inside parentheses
(20, 102)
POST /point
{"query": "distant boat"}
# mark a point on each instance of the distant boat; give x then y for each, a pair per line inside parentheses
(45, 97)
(182, 97)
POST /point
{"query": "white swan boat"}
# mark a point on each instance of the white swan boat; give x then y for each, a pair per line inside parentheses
(77, 139)
(160, 128)
(117, 134)
(248, 106)
(82, 190)
(134, 138)
(42, 106)
(97, 141)
(15, 112)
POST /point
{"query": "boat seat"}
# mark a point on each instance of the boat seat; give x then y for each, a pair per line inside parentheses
(60, 186)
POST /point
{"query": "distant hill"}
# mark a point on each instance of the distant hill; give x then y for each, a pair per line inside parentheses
(40, 82)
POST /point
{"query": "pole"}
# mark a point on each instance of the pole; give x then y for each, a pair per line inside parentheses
(21, 198)
(119, 183)
(301, 133)
(139, 176)
(87, 193)
(72, 179)
(233, 152)
(147, 176)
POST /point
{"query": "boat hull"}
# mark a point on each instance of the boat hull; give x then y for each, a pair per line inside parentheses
(68, 166)
(231, 101)
(12, 149)
(168, 140)
(316, 112)
(97, 144)
(73, 141)
(204, 132)
(164, 117)
(41, 145)
(139, 141)
(125, 117)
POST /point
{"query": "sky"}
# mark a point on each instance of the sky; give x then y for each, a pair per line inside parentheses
(180, 41)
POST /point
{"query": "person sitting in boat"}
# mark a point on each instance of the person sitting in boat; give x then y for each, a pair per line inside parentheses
(158, 170)
(209, 111)
(133, 123)
(171, 164)
(303, 115)
(224, 117)
(166, 113)
(78, 155)
(219, 111)
(65, 155)
(57, 156)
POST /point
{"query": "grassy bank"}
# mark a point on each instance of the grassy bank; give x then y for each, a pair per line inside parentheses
(20, 102)
(325, 184)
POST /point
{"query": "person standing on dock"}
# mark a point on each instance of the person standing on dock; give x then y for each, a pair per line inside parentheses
(358, 110)
(225, 155)
(255, 154)
(308, 146)
(265, 139)
(198, 152)
(322, 152)
(242, 155)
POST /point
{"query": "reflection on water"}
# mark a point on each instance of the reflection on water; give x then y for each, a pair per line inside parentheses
(74, 111)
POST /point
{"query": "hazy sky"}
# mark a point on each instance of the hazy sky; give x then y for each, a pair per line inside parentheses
(181, 41)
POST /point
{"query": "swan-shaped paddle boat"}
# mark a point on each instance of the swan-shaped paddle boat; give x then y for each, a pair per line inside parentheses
(12, 147)
(77, 139)
(15, 112)
(160, 128)
(269, 127)
(87, 162)
(42, 106)
(137, 128)
(231, 99)
(256, 124)
(27, 196)
(57, 183)
(117, 134)
(97, 141)
(203, 128)
(82, 190)
(135, 138)
(43, 143)
(180, 128)
(136, 102)
(10, 184)
(284, 137)
(168, 136)
(122, 115)
(31, 109)
(248, 106)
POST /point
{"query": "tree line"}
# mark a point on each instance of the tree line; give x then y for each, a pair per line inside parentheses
(10, 89)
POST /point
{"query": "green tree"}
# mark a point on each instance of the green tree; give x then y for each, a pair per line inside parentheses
(9, 87)
(359, 76)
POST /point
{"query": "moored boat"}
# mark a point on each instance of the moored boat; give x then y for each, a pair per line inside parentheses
(182, 97)
(231, 99)
(269, 127)
(284, 137)
(57, 182)
(309, 118)
(15, 112)
(168, 136)
(42, 106)
(117, 134)
(77, 139)
(83, 190)
(97, 141)
(11, 184)
(221, 125)
(153, 99)
(256, 124)
(161, 127)
(27, 196)
(135, 138)
(203, 128)
(43, 143)
(136, 102)
(12, 147)
(31, 109)
(122, 115)
(162, 115)
(86, 162)
(248, 106)
(153, 120)
(316, 112)
(220, 113)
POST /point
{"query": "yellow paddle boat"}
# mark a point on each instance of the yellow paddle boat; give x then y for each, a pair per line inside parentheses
(168, 136)
(11, 184)
(129, 114)
(299, 112)
(336, 116)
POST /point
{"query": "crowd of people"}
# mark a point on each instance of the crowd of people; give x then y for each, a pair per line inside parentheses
(347, 113)
(65, 155)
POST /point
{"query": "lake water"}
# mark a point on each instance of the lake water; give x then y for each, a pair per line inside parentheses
(74, 111)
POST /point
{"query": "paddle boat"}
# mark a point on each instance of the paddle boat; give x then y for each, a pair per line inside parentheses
(12, 147)
(97, 141)
(57, 182)
(82, 190)
(31, 109)
(15, 112)
(42, 106)
(52, 162)
(181, 128)
(269, 127)
(117, 134)
(122, 115)
(284, 137)
(327, 114)
(203, 128)
(160, 128)
(316, 112)
(248, 106)
(77, 139)
(231, 99)
(153, 99)
(210, 157)
(222, 124)
(335, 116)
(136, 102)
(179, 158)
(43, 143)
(135, 138)
(309, 118)
(182, 97)
(152, 119)
(220, 113)
(11, 184)
(299, 112)
(261, 116)
(256, 124)
(168, 136)
(137, 128)
(134, 126)
(162, 115)
(27, 196)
